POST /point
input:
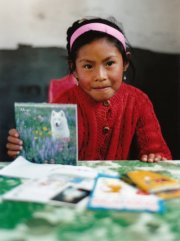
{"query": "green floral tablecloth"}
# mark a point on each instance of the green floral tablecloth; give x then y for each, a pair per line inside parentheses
(21, 221)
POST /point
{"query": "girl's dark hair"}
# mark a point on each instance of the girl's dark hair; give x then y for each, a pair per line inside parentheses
(92, 35)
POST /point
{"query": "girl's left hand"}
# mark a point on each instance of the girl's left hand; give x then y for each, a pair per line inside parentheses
(152, 158)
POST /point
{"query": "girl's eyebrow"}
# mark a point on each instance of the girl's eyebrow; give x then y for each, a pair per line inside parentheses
(110, 57)
(91, 61)
(85, 60)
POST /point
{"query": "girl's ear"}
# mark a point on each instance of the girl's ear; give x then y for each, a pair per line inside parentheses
(75, 75)
(70, 66)
(126, 64)
(73, 69)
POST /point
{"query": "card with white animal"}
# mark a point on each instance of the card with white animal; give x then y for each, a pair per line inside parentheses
(48, 132)
(53, 189)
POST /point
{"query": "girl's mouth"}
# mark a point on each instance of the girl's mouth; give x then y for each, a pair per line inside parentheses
(101, 87)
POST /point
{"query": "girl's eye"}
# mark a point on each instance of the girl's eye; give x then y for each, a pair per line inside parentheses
(110, 63)
(87, 66)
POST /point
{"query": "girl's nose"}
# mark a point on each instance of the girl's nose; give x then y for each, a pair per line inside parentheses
(100, 74)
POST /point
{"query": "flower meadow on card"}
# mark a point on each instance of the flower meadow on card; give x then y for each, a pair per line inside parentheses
(48, 132)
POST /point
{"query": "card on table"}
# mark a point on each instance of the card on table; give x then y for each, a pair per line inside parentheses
(54, 188)
(111, 193)
(152, 182)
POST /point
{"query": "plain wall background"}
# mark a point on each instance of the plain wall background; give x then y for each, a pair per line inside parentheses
(148, 24)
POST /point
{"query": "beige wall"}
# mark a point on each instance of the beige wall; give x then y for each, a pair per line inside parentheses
(150, 24)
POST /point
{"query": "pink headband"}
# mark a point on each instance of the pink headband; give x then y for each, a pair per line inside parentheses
(101, 27)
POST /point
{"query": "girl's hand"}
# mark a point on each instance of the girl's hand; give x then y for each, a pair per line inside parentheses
(152, 158)
(14, 144)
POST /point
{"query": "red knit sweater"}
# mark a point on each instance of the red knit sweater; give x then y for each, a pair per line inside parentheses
(106, 129)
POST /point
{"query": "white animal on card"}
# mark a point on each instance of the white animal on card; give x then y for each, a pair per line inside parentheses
(59, 126)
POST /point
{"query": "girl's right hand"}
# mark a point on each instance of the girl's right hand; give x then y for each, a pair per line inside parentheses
(14, 144)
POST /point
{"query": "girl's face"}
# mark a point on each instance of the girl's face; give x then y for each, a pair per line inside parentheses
(99, 69)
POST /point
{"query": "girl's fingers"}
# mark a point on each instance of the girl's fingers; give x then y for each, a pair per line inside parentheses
(13, 154)
(152, 158)
(13, 147)
(157, 158)
(14, 144)
(144, 158)
(14, 140)
(13, 132)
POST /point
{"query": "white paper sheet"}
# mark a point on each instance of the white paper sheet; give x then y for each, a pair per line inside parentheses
(22, 168)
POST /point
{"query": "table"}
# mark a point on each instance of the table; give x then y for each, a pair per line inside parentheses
(21, 221)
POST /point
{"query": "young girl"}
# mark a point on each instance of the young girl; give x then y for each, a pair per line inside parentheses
(110, 113)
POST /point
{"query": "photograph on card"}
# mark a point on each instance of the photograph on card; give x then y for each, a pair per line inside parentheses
(48, 132)
(70, 195)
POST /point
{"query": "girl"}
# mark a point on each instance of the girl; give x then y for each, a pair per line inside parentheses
(111, 114)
